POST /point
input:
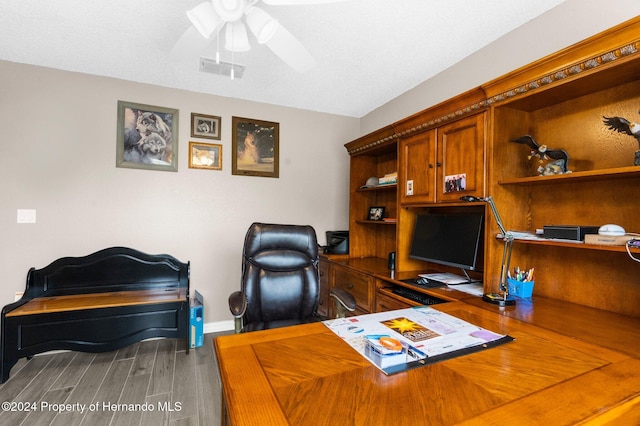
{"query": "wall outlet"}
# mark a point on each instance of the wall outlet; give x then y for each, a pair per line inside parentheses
(26, 216)
(409, 187)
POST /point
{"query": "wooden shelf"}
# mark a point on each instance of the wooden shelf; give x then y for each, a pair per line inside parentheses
(578, 245)
(379, 188)
(376, 222)
(591, 175)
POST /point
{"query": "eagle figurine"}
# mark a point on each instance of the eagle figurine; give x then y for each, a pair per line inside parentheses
(622, 125)
(544, 153)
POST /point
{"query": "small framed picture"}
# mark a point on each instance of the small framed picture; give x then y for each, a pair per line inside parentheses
(376, 213)
(205, 156)
(205, 126)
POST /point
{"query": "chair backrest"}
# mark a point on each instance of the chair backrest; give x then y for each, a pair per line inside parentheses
(280, 272)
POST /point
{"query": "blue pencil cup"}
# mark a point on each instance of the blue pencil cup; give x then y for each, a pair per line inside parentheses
(522, 289)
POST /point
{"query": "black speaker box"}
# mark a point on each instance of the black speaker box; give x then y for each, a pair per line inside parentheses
(569, 232)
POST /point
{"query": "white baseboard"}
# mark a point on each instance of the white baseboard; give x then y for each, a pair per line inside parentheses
(218, 326)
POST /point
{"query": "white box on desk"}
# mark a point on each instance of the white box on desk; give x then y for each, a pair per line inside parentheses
(382, 356)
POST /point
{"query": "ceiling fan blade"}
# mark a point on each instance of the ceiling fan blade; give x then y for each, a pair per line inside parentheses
(299, 2)
(189, 46)
(290, 50)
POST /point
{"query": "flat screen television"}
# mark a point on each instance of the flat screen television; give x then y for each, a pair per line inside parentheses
(449, 239)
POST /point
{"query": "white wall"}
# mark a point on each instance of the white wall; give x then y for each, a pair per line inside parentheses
(566, 24)
(58, 138)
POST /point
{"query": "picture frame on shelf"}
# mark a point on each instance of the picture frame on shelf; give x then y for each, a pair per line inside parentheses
(205, 156)
(147, 137)
(205, 126)
(376, 213)
(255, 147)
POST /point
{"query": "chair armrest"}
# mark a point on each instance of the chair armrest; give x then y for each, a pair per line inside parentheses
(344, 301)
(237, 304)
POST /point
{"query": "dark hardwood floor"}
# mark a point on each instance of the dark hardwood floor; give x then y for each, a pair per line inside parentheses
(149, 383)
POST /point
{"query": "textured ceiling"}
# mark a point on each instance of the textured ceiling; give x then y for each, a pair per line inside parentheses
(367, 51)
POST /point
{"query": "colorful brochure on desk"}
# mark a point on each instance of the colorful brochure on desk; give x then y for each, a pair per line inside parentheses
(400, 340)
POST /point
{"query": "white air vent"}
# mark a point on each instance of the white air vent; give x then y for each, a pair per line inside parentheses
(223, 68)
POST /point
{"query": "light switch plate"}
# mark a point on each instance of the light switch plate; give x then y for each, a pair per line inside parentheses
(409, 187)
(26, 216)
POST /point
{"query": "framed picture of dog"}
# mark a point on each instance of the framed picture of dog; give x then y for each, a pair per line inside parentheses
(255, 147)
(205, 126)
(147, 137)
(205, 156)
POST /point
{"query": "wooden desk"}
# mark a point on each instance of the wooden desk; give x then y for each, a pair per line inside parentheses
(306, 375)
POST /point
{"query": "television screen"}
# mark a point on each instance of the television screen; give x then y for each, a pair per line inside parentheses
(448, 239)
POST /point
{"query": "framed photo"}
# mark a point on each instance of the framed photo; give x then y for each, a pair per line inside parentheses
(147, 137)
(453, 183)
(205, 126)
(205, 156)
(376, 213)
(255, 147)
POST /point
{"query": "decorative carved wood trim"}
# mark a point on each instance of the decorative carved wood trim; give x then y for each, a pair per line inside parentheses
(626, 51)
(557, 75)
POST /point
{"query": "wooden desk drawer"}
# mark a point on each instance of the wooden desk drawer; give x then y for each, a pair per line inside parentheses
(360, 285)
(387, 303)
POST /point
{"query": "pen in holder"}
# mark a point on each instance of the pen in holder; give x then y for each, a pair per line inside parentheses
(521, 283)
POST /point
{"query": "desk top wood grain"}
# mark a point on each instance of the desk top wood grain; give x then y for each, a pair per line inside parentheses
(75, 302)
(306, 375)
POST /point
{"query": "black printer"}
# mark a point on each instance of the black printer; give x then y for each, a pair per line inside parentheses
(337, 242)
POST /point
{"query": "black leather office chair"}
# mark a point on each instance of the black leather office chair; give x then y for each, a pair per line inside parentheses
(280, 284)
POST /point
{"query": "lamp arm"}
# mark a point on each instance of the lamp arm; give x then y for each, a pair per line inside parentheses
(508, 238)
(505, 233)
(508, 246)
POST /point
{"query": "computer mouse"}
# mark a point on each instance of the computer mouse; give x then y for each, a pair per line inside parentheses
(422, 281)
(611, 230)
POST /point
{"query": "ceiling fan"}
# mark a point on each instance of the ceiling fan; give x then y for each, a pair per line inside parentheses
(234, 16)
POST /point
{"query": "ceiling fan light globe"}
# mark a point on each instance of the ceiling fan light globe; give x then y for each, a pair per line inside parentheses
(236, 39)
(204, 18)
(262, 25)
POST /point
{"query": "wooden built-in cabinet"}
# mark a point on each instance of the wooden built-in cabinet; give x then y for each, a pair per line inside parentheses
(428, 158)
(562, 103)
(560, 100)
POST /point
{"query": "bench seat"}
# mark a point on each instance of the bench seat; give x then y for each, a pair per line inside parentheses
(77, 302)
(96, 303)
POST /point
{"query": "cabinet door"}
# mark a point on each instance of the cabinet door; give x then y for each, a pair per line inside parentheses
(460, 166)
(417, 168)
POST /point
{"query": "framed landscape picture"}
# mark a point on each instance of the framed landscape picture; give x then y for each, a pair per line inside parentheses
(147, 137)
(255, 147)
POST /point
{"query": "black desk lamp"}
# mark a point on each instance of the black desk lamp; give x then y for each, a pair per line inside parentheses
(502, 298)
